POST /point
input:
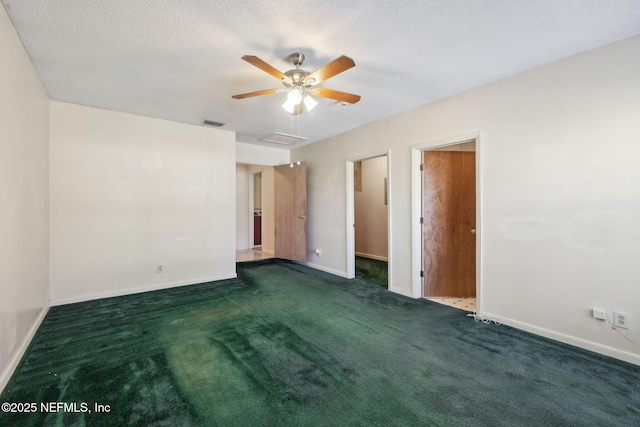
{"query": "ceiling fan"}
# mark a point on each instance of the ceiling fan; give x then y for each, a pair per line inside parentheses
(301, 84)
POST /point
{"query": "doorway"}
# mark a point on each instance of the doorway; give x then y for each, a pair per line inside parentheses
(256, 211)
(371, 211)
(368, 219)
(448, 265)
(277, 195)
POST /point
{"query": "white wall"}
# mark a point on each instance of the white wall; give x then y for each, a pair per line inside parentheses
(129, 193)
(371, 216)
(560, 193)
(24, 200)
(251, 154)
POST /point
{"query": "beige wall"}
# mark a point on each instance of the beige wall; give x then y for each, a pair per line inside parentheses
(371, 214)
(129, 193)
(24, 200)
(559, 194)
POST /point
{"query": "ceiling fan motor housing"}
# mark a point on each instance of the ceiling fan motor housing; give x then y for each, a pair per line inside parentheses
(297, 59)
(297, 75)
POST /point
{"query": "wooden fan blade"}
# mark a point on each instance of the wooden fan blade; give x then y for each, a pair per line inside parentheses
(334, 67)
(334, 94)
(257, 62)
(257, 93)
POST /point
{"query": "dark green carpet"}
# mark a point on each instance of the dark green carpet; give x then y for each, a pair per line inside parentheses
(374, 271)
(285, 345)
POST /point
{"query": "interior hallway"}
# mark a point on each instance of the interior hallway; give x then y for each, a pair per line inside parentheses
(254, 254)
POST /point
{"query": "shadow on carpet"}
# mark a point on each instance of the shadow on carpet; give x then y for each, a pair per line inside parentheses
(373, 271)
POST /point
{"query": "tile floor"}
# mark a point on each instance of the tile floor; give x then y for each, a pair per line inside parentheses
(251, 255)
(467, 304)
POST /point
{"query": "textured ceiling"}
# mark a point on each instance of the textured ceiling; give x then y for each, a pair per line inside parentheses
(180, 59)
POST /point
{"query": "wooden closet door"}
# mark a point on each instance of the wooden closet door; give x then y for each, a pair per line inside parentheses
(291, 212)
(449, 211)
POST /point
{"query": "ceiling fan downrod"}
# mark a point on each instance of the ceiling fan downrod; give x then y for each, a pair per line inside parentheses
(297, 59)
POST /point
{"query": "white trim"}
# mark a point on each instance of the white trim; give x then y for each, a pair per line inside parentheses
(137, 290)
(350, 214)
(17, 357)
(569, 339)
(416, 227)
(416, 209)
(370, 256)
(479, 225)
(325, 269)
(350, 223)
(252, 179)
(390, 205)
(252, 196)
(368, 156)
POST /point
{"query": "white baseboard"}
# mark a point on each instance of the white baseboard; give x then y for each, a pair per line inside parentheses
(404, 292)
(569, 339)
(376, 257)
(137, 290)
(321, 268)
(15, 360)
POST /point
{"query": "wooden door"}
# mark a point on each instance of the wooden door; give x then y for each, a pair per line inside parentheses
(291, 212)
(449, 210)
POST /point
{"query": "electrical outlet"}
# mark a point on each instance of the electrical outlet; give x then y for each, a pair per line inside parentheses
(159, 269)
(621, 319)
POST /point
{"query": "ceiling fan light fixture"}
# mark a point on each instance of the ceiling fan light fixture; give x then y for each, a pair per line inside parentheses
(289, 107)
(310, 103)
(294, 96)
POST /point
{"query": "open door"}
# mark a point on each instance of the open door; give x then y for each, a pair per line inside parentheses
(291, 212)
(449, 215)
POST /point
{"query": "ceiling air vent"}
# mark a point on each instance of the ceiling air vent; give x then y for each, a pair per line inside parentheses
(282, 138)
(212, 123)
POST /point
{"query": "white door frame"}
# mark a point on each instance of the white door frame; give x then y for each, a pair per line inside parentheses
(416, 210)
(252, 176)
(350, 211)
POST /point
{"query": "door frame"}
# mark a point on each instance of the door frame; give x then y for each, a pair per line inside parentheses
(252, 180)
(416, 209)
(350, 214)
